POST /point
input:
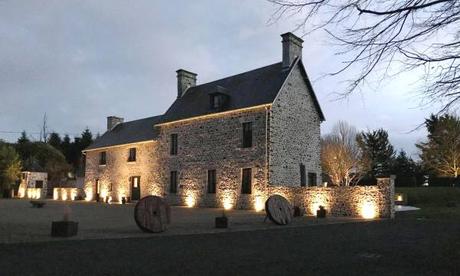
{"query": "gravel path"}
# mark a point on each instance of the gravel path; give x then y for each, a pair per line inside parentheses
(21, 223)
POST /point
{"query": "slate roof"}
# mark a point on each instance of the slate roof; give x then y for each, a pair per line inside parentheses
(256, 87)
(128, 132)
(252, 88)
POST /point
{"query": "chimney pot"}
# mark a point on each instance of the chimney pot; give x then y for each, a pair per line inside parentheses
(113, 121)
(292, 48)
(185, 79)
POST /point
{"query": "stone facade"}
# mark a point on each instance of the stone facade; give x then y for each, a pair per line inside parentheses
(114, 177)
(215, 143)
(294, 133)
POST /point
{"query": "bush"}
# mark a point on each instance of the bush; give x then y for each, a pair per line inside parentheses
(438, 196)
(406, 181)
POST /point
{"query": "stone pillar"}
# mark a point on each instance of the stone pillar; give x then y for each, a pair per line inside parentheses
(386, 187)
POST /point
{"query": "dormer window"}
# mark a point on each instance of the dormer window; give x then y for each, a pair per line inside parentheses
(218, 101)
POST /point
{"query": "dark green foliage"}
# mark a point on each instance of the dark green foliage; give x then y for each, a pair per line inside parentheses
(55, 140)
(407, 171)
(57, 156)
(441, 153)
(23, 139)
(44, 157)
(10, 165)
(378, 150)
(437, 196)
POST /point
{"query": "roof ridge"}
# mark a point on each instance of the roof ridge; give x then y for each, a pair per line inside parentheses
(151, 117)
(236, 75)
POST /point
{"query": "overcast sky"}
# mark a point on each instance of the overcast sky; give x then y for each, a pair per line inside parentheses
(80, 61)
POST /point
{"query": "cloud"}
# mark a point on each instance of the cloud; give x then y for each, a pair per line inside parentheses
(80, 61)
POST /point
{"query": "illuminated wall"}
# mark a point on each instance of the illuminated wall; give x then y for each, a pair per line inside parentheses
(356, 201)
(27, 187)
(66, 193)
(215, 143)
(294, 133)
(114, 177)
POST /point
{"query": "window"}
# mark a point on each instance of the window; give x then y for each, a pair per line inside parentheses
(312, 179)
(132, 155)
(246, 181)
(218, 101)
(38, 183)
(303, 178)
(135, 181)
(173, 182)
(212, 181)
(173, 144)
(247, 135)
(103, 158)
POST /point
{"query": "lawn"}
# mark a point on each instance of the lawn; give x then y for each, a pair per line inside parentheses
(433, 203)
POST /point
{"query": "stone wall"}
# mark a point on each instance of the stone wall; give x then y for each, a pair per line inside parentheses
(294, 133)
(215, 143)
(355, 201)
(27, 186)
(114, 177)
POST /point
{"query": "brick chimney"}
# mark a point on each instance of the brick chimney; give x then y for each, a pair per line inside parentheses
(113, 121)
(292, 48)
(185, 79)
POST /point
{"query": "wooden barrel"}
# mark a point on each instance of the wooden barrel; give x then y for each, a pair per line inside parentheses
(278, 210)
(152, 214)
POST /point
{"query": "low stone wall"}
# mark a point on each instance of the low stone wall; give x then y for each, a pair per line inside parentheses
(355, 201)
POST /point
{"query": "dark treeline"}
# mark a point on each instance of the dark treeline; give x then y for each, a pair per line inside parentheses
(56, 155)
(349, 157)
(60, 157)
(439, 155)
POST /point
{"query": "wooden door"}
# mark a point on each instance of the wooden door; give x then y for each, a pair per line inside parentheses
(135, 188)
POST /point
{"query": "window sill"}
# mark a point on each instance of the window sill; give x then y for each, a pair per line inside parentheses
(102, 165)
(131, 162)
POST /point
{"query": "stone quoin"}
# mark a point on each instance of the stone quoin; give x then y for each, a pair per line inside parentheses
(229, 143)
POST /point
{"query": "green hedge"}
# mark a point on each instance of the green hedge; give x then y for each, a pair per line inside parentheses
(430, 195)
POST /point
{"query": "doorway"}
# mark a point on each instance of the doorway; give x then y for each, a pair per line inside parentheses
(135, 187)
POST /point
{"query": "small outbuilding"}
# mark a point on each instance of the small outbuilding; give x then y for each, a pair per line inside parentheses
(33, 185)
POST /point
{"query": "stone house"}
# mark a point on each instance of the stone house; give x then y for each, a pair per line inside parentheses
(220, 144)
(33, 185)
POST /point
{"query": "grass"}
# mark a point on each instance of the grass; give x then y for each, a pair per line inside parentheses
(432, 202)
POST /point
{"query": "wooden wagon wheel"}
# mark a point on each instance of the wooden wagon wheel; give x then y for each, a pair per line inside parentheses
(152, 214)
(278, 210)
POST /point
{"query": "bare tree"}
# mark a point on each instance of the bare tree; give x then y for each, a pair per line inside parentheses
(341, 157)
(374, 35)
